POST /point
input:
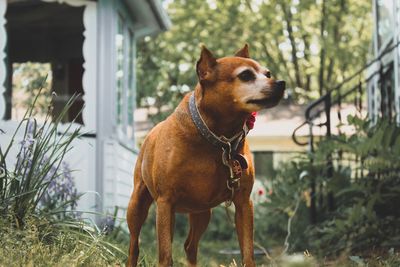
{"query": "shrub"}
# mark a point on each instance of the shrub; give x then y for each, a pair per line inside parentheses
(37, 196)
(288, 199)
(43, 242)
(366, 188)
(41, 153)
(360, 172)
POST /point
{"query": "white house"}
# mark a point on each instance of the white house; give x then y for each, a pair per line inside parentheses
(90, 47)
(384, 87)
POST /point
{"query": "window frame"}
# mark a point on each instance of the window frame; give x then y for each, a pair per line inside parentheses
(392, 57)
(89, 78)
(128, 79)
(396, 30)
(384, 43)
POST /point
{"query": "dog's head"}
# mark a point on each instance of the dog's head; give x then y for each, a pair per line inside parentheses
(238, 82)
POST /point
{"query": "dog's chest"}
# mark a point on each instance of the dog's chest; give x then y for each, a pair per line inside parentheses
(202, 184)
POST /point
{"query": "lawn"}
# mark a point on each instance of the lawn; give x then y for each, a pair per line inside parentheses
(44, 244)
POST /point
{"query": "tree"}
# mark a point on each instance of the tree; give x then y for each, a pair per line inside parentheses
(312, 44)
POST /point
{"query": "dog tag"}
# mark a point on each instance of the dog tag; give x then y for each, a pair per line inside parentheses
(236, 168)
(242, 160)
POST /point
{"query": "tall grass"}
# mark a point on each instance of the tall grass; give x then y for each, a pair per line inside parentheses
(35, 188)
(43, 242)
(39, 158)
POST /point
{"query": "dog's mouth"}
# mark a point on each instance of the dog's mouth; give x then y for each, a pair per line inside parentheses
(260, 102)
(264, 102)
(271, 99)
(267, 102)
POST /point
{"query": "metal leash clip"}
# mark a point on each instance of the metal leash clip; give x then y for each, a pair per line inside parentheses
(233, 182)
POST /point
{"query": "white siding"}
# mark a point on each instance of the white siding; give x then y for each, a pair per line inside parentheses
(81, 159)
(118, 177)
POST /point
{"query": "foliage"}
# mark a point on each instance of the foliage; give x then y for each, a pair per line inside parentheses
(60, 190)
(52, 243)
(286, 189)
(40, 155)
(28, 79)
(43, 243)
(365, 185)
(366, 188)
(38, 225)
(311, 45)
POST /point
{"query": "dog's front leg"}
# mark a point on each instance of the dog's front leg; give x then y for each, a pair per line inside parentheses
(165, 218)
(244, 228)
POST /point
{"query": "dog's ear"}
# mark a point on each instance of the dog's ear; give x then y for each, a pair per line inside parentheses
(205, 65)
(244, 52)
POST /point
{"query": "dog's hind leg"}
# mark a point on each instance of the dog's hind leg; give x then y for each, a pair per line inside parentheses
(138, 208)
(198, 225)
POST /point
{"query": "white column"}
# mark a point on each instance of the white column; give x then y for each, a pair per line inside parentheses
(376, 93)
(90, 65)
(396, 53)
(3, 67)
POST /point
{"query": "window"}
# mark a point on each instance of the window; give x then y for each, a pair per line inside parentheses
(125, 79)
(27, 79)
(44, 39)
(385, 21)
(131, 85)
(119, 43)
(388, 107)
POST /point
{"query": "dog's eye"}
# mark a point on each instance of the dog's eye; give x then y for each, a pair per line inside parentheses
(268, 74)
(247, 76)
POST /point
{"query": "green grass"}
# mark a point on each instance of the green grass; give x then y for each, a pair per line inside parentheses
(209, 256)
(208, 253)
(43, 243)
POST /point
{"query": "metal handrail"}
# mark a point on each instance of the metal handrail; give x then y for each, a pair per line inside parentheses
(323, 99)
(294, 136)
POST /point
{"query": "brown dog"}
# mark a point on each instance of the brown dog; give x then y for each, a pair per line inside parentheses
(198, 157)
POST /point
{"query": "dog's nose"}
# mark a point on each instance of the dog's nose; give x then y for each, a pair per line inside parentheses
(280, 85)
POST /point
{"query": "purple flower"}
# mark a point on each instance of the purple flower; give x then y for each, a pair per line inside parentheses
(61, 187)
(108, 224)
(31, 127)
(24, 157)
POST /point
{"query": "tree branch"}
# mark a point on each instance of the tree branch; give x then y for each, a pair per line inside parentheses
(283, 60)
(288, 18)
(322, 51)
(336, 37)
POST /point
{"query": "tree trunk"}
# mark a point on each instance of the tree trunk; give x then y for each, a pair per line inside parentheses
(336, 38)
(322, 52)
(288, 18)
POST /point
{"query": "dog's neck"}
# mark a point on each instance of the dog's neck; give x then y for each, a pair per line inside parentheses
(219, 121)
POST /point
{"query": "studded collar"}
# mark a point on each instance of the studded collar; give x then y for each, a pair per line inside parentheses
(231, 144)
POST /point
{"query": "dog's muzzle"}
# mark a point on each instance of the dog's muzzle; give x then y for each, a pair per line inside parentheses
(280, 86)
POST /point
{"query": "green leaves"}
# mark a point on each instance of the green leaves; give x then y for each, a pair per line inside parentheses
(283, 35)
(365, 185)
(358, 260)
(40, 154)
(366, 214)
